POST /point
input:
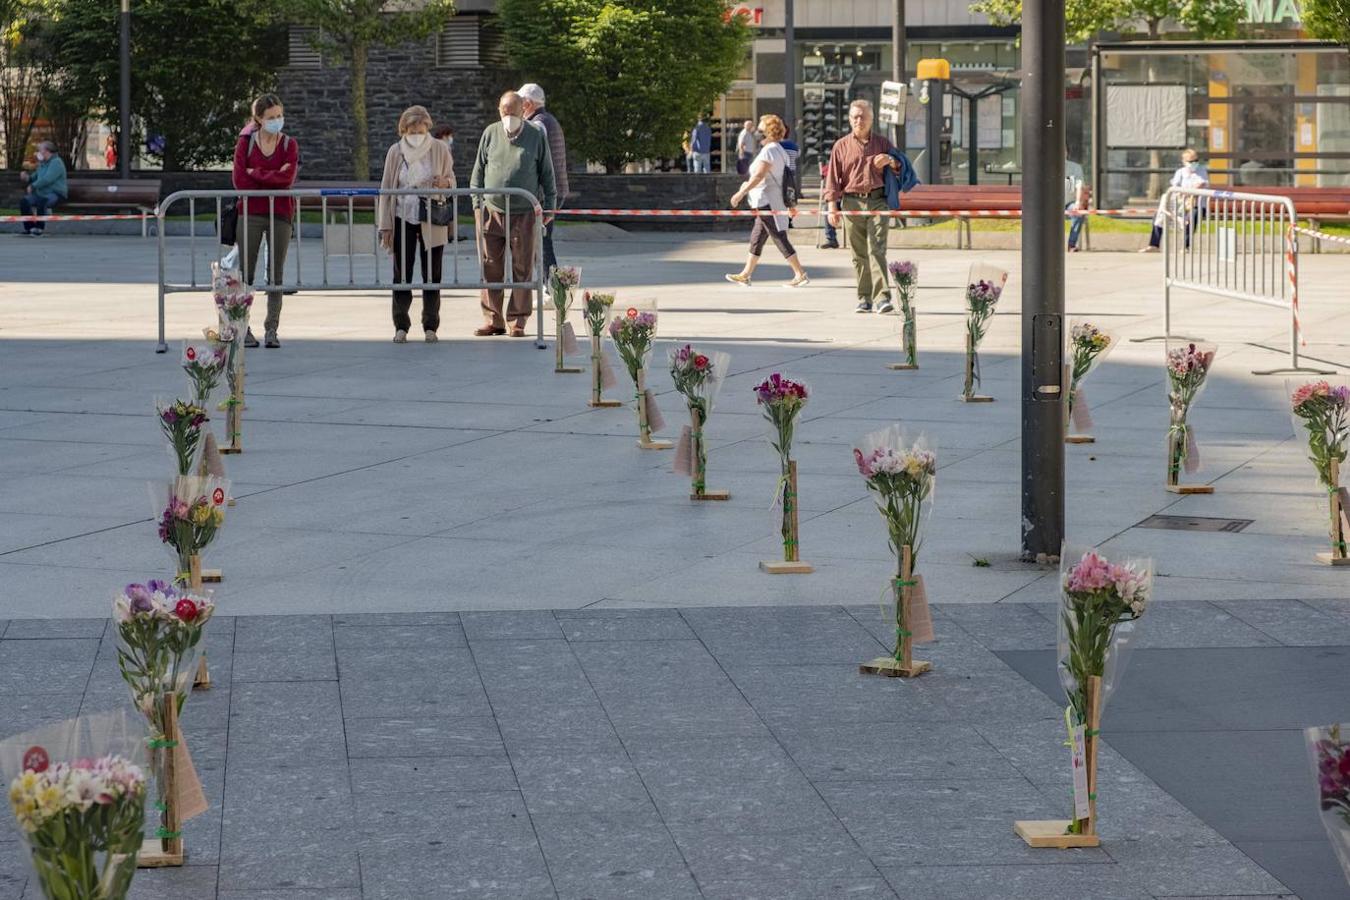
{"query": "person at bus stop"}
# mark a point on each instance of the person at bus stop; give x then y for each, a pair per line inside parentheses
(511, 154)
(45, 188)
(700, 146)
(1075, 200)
(764, 187)
(266, 160)
(1191, 175)
(415, 160)
(854, 182)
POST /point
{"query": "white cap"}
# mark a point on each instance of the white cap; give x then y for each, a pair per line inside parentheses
(532, 92)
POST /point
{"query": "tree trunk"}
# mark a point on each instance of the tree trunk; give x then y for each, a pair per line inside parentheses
(361, 150)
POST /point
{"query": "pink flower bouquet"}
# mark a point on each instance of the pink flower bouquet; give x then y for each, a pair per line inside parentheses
(205, 365)
(698, 377)
(905, 274)
(1088, 346)
(188, 515)
(781, 400)
(1330, 754)
(634, 333)
(562, 281)
(1188, 366)
(597, 309)
(1324, 412)
(984, 287)
(183, 424)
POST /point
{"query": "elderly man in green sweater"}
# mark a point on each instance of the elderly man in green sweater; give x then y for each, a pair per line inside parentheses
(511, 154)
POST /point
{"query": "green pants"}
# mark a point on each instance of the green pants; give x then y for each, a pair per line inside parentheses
(867, 240)
(278, 231)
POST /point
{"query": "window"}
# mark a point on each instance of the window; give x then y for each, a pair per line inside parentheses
(457, 46)
(300, 53)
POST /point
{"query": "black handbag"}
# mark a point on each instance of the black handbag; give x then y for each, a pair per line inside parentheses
(229, 222)
(437, 212)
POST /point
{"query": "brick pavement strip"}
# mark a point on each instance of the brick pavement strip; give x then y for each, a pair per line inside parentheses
(635, 754)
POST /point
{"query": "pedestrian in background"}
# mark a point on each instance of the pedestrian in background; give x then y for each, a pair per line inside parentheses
(700, 146)
(1190, 175)
(854, 182)
(415, 160)
(532, 96)
(747, 146)
(511, 154)
(266, 159)
(446, 135)
(1075, 199)
(764, 187)
(43, 189)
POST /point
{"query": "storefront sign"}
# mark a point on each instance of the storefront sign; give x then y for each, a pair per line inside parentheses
(753, 15)
(1273, 12)
(891, 110)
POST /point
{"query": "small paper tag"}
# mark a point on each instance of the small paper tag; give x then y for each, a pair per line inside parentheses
(189, 798)
(1081, 808)
(920, 622)
(684, 453)
(1192, 463)
(35, 759)
(607, 379)
(655, 421)
(1082, 416)
(569, 339)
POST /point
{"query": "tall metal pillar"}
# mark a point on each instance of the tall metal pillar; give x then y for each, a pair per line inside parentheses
(124, 113)
(897, 41)
(790, 70)
(1042, 100)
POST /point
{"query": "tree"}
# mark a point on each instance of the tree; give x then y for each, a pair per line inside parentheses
(626, 77)
(1082, 18)
(1208, 19)
(196, 65)
(1328, 20)
(20, 79)
(344, 31)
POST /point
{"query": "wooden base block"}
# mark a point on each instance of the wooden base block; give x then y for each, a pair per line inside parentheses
(214, 576)
(229, 502)
(711, 495)
(568, 369)
(901, 367)
(893, 668)
(1052, 833)
(786, 568)
(226, 451)
(605, 404)
(1328, 560)
(202, 680)
(152, 856)
(976, 398)
(1079, 439)
(1191, 488)
(655, 445)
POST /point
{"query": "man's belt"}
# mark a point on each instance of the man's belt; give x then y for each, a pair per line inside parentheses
(872, 193)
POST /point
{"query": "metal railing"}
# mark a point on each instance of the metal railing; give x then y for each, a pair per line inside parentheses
(194, 273)
(1235, 245)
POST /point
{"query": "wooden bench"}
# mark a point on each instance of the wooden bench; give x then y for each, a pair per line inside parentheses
(338, 204)
(965, 198)
(1316, 204)
(139, 194)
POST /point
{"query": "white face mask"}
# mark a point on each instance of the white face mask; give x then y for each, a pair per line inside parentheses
(274, 126)
(512, 123)
(414, 140)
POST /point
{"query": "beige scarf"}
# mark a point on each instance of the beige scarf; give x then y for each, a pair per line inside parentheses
(413, 154)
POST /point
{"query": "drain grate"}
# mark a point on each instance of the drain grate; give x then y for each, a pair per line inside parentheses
(1195, 523)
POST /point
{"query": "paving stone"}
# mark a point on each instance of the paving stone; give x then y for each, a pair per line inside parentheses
(290, 861)
(626, 628)
(385, 775)
(578, 780)
(744, 759)
(1169, 866)
(325, 894)
(1194, 625)
(556, 726)
(50, 666)
(422, 736)
(612, 855)
(299, 665)
(397, 637)
(525, 624)
(1003, 626)
(804, 889)
(870, 751)
(273, 634)
(789, 803)
(45, 629)
(782, 856)
(396, 619)
(794, 636)
(1012, 882)
(400, 874)
(1037, 750)
(193, 880)
(947, 822)
(808, 695)
(1291, 622)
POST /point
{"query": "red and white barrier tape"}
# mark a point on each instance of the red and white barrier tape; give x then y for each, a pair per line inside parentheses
(887, 213)
(1322, 235)
(107, 218)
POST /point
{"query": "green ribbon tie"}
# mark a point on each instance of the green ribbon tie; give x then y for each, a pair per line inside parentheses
(165, 834)
(161, 743)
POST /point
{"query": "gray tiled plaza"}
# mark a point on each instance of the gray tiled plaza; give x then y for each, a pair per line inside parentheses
(474, 643)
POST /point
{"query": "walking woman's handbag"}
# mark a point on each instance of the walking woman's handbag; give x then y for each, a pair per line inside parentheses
(437, 212)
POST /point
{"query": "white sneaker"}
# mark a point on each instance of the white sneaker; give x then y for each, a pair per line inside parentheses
(431, 337)
(737, 278)
(400, 337)
(800, 281)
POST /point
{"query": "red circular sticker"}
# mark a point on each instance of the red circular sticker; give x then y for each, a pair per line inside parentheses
(218, 496)
(35, 759)
(632, 313)
(191, 354)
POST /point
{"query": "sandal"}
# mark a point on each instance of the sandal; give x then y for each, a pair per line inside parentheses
(517, 332)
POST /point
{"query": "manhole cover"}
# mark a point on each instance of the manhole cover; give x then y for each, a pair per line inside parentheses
(1195, 523)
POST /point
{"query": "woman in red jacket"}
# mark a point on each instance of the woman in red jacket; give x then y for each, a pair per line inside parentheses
(266, 160)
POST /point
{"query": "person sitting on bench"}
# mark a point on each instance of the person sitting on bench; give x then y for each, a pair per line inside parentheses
(46, 187)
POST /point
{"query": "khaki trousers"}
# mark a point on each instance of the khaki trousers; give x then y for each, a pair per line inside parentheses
(867, 241)
(493, 250)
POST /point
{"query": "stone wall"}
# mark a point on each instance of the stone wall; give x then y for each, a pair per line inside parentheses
(318, 106)
(658, 190)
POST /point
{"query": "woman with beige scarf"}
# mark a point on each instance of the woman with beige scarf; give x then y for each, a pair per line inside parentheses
(414, 161)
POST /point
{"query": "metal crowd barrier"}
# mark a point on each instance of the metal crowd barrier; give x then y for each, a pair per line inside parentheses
(331, 204)
(1230, 244)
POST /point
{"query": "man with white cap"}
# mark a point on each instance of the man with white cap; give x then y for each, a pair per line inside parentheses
(533, 96)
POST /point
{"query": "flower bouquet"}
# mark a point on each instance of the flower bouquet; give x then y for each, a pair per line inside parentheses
(633, 334)
(1100, 605)
(1330, 753)
(159, 633)
(782, 399)
(205, 366)
(1187, 367)
(561, 282)
(77, 789)
(189, 513)
(906, 277)
(1324, 412)
(1088, 346)
(233, 299)
(599, 307)
(901, 473)
(182, 423)
(984, 285)
(698, 376)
